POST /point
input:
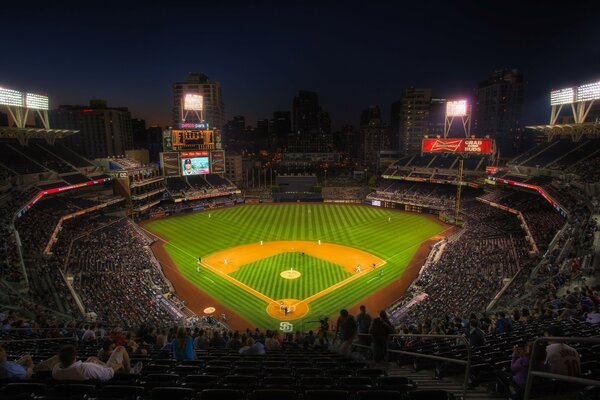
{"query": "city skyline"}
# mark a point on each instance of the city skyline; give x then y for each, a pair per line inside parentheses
(354, 56)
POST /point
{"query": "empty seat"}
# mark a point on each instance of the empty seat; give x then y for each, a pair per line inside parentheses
(241, 382)
(172, 393)
(378, 395)
(273, 394)
(277, 381)
(326, 394)
(199, 382)
(72, 389)
(121, 391)
(309, 372)
(316, 382)
(277, 371)
(222, 394)
(16, 388)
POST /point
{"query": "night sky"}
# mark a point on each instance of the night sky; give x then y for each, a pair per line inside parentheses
(354, 54)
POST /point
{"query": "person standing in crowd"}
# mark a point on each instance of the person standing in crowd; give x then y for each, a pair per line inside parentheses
(182, 347)
(380, 330)
(476, 335)
(345, 331)
(363, 321)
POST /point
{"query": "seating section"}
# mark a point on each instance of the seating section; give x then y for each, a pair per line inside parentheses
(68, 155)
(38, 153)
(17, 161)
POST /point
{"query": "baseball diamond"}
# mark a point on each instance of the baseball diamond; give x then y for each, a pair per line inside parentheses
(249, 253)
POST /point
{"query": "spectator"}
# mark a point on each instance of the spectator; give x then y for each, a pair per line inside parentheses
(72, 370)
(182, 347)
(252, 348)
(363, 322)
(380, 329)
(20, 369)
(561, 358)
(476, 335)
(345, 331)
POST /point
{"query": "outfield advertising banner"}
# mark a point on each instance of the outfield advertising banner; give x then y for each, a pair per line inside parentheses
(464, 146)
(217, 161)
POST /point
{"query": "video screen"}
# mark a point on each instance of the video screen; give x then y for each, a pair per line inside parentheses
(194, 165)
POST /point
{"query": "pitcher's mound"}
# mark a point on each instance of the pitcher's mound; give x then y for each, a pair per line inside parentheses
(290, 274)
(296, 309)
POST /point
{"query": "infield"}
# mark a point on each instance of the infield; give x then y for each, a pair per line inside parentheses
(246, 277)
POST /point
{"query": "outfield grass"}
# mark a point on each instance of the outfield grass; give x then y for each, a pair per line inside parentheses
(362, 227)
(316, 275)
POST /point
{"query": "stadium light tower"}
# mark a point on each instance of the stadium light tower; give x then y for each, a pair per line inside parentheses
(192, 103)
(458, 109)
(581, 99)
(18, 105)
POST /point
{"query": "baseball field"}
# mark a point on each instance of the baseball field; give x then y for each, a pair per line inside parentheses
(290, 262)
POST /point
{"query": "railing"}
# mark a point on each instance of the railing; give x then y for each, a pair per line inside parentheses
(466, 363)
(542, 374)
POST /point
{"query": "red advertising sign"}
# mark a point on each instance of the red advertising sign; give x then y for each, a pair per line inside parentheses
(466, 146)
(194, 153)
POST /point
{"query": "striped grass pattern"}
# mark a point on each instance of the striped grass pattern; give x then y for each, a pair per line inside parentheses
(391, 235)
(316, 275)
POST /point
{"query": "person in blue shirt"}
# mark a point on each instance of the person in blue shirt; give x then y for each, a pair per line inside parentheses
(182, 347)
(21, 369)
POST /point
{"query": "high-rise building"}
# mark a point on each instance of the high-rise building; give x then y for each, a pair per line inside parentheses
(213, 110)
(413, 118)
(281, 127)
(498, 110)
(233, 130)
(373, 135)
(437, 117)
(138, 129)
(233, 168)
(103, 131)
(311, 125)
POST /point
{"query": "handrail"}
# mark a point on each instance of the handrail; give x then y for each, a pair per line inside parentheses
(466, 363)
(542, 374)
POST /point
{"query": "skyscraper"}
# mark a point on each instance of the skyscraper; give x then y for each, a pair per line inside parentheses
(373, 135)
(498, 109)
(311, 125)
(413, 118)
(103, 131)
(213, 108)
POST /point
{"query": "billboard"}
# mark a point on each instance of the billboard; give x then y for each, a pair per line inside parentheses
(217, 161)
(170, 163)
(192, 102)
(456, 108)
(194, 163)
(464, 146)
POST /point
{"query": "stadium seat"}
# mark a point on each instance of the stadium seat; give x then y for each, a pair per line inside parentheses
(31, 388)
(172, 393)
(328, 394)
(277, 381)
(399, 383)
(378, 395)
(121, 392)
(222, 394)
(72, 389)
(273, 394)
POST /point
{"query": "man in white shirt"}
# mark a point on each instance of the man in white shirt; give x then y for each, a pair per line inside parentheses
(90, 334)
(561, 358)
(70, 369)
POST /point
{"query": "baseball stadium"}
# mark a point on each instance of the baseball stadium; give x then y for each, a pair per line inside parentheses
(207, 274)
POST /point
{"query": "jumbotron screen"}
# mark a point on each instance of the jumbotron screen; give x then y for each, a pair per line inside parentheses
(194, 166)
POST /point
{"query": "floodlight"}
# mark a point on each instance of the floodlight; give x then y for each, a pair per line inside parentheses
(36, 101)
(9, 97)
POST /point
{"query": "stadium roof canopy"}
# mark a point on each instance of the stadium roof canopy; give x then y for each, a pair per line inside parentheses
(573, 131)
(24, 134)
